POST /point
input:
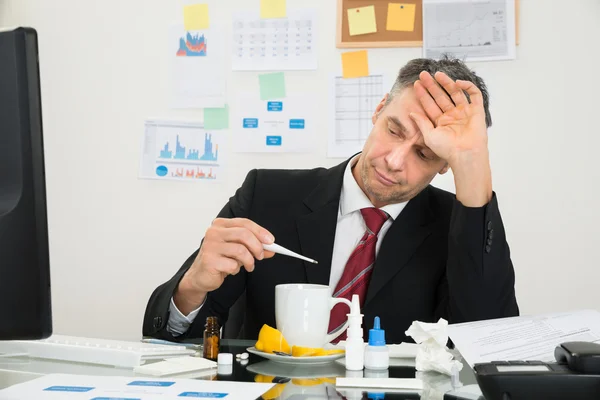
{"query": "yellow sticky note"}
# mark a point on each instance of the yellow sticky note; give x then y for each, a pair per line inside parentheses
(401, 17)
(355, 64)
(273, 9)
(362, 20)
(195, 17)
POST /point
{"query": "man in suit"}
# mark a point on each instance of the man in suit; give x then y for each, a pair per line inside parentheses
(374, 223)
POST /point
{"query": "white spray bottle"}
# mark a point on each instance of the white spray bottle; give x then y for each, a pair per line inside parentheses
(355, 346)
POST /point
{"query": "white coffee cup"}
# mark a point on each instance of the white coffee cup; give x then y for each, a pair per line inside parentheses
(302, 314)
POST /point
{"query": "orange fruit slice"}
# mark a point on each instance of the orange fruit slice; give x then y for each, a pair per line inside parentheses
(328, 352)
(271, 340)
(299, 351)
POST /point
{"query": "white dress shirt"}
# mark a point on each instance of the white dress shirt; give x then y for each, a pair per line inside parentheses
(351, 226)
(349, 230)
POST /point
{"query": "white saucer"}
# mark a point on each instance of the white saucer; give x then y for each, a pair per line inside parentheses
(270, 368)
(312, 360)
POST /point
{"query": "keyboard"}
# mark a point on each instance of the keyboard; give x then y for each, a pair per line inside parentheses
(94, 351)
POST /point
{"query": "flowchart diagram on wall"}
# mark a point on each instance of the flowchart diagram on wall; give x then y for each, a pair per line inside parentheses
(274, 126)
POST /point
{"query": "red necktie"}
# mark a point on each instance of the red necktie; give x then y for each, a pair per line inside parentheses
(358, 270)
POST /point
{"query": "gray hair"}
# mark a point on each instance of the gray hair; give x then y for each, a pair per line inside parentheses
(453, 67)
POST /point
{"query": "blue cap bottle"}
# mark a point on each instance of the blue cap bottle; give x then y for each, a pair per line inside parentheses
(377, 355)
(376, 335)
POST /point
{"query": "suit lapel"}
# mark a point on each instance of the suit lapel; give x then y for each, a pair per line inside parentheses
(401, 241)
(316, 230)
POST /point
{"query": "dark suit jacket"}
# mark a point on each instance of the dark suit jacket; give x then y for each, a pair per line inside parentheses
(438, 259)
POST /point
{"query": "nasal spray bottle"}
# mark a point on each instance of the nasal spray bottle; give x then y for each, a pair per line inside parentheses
(355, 347)
(377, 355)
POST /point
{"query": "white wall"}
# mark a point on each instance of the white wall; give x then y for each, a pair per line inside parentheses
(113, 238)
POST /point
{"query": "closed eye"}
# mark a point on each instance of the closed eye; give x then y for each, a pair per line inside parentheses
(424, 156)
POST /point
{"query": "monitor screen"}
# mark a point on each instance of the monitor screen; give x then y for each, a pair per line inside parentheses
(25, 307)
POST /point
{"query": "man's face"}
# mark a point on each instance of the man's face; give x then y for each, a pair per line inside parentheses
(395, 165)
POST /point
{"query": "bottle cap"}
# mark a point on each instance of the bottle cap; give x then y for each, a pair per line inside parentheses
(225, 358)
(355, 309)
(376, 335)
(355, 319)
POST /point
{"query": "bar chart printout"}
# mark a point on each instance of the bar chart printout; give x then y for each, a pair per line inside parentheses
(180, 150)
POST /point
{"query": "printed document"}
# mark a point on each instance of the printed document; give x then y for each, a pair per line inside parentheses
(481, 30)
(274, 44)
(62, 386)
(523, 338)
(182, 151)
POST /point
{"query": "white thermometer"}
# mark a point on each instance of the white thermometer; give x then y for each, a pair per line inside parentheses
(275, 248)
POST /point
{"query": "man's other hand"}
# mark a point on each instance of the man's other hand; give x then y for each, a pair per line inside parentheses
(229, 245)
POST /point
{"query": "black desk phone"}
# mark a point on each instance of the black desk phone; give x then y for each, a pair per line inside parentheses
(574, 376)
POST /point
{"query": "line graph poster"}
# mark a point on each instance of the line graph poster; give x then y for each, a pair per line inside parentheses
(472, 30)
(179, 150)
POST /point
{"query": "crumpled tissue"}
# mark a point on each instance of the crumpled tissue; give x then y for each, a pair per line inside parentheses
(432, 354)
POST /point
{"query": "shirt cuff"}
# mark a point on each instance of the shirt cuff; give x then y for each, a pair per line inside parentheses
(178, 323)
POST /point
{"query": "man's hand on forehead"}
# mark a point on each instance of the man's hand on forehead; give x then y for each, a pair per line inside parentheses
(458, 133)
(451, 124)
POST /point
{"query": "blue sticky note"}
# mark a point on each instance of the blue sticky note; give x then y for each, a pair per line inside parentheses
(250, 123)
(272, 86)
(216, 118)
(296, 124)
(273, 140)
(275, 106)
(203, 395)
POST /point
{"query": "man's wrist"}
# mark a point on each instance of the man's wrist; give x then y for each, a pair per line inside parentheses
(187, 298)
(472, 177)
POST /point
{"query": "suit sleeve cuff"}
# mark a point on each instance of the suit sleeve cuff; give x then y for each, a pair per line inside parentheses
(178, 323)
(473, 226)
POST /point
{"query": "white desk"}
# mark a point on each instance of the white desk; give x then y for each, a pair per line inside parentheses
(15, 370)
(21, 369)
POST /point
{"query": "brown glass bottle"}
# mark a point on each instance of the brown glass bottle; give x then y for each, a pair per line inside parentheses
(211, 338)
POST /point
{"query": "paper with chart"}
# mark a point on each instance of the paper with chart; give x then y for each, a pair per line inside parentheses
(197, 68)
(354, 102)
(472, 30)
(84, 387)
(183, 151)
(274, 126)
(523, 338)
(274, 44)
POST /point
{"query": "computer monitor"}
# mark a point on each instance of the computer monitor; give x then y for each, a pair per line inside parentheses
(25, 309)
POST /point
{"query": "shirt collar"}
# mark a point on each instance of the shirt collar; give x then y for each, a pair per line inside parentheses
(353, 198)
